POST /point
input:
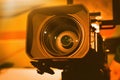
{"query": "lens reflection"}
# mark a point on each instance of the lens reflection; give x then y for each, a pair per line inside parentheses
(62, 35)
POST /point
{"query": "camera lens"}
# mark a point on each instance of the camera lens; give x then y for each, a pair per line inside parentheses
(67, 41)
(61, 35)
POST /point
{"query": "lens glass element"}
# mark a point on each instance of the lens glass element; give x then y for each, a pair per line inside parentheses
(67, 41)
(61, 35)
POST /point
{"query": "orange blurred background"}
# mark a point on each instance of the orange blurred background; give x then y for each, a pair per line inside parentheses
(13, 21)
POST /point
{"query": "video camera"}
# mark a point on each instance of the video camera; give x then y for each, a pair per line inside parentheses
(58, 32)
(67, 37)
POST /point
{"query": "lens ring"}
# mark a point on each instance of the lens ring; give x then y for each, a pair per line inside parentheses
(54, 29)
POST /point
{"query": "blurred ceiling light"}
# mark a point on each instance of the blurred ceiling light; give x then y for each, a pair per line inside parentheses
(9, 8)
(15, 7)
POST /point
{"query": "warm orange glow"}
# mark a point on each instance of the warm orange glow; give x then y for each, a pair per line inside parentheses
(12, 35)
(11, 54)
(108, 33)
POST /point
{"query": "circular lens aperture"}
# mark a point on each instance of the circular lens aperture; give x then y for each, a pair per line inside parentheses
(61, 35)
(67, 41)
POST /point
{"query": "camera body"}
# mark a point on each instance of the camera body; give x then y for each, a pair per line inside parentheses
(61, 32)
(63, 37)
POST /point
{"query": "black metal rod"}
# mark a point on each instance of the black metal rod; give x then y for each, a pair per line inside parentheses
(107, 22)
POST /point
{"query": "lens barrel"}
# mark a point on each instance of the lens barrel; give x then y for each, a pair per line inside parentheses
(61, 35)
